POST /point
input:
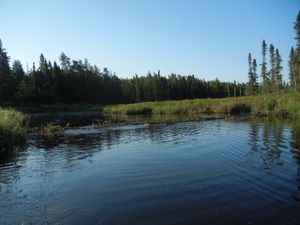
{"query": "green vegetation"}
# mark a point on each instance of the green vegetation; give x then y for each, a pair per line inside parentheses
(284, 105)
(50, 132)
(12, 128)
(58, 107)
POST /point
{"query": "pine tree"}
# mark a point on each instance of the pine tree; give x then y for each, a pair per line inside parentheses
(250, 76)
(272, 68)
(24, 93)
(292, 70)
(254, 77)
(17, 71)
(264, 73)
(296, 60)
(278, 69)
(252, 85)
(5, 73)
(297, 29)
(64, 62)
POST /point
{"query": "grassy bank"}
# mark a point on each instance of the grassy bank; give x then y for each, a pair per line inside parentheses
(12, 128)
(58, 107)
(283, 106)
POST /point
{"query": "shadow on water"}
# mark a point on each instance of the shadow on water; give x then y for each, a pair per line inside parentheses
(62, 118)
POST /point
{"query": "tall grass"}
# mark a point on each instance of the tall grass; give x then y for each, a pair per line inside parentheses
(283, 105)
(51, 132)
(12, 128)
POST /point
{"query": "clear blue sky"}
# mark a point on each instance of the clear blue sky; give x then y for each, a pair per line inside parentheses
(207, 38)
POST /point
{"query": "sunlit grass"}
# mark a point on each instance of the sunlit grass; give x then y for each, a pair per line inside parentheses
(283, 105)
(12, 128)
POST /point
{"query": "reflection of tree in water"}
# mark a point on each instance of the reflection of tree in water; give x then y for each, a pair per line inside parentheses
(295, 150)
(254, 137)
(111, 137)
(61, 152)
(267, 143)
(295, 142)
(83, 146)
(295, 146)
(176, 133)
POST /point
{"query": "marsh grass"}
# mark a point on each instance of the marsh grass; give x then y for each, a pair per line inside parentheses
(12, 128)
(51, 132)
(283, 105)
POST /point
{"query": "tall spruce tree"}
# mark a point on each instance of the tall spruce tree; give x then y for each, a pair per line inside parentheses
(278, 69)
(254, 77)
(17, 71)
(264, 73)
(64, 62)
(296, 61)
(297, 29)
(272, 74)
(250, 76)
(5, 79)
(292, 70)
(252, 85)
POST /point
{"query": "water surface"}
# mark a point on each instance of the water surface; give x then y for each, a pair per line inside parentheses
(207, 172)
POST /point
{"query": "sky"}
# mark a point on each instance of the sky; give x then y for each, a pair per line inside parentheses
(207, 38)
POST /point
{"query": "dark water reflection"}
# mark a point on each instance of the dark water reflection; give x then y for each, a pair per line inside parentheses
(208, 172)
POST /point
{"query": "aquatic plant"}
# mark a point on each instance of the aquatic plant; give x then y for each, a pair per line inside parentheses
(51, 131)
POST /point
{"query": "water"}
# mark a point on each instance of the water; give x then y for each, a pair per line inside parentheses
(207, 172)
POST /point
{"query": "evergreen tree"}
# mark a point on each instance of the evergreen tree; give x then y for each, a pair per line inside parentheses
(296, 60)
(297, 29)
(278, 69)
(234, 89)
(56, 80)
(250, 76)
(252, 85)
(272, 67)
(4, 73)
(24, 93)
(254, 78)
(264, 73)
(64, 62)
(228, 89)
(17, 71)
(294, 79)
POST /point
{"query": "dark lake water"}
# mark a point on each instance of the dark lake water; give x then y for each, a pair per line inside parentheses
(206, 172)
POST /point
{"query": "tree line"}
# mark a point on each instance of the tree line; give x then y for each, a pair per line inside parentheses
(271, 68)
(76, 81)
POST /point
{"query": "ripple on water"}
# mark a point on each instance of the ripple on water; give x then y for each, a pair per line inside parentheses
(212, 172)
